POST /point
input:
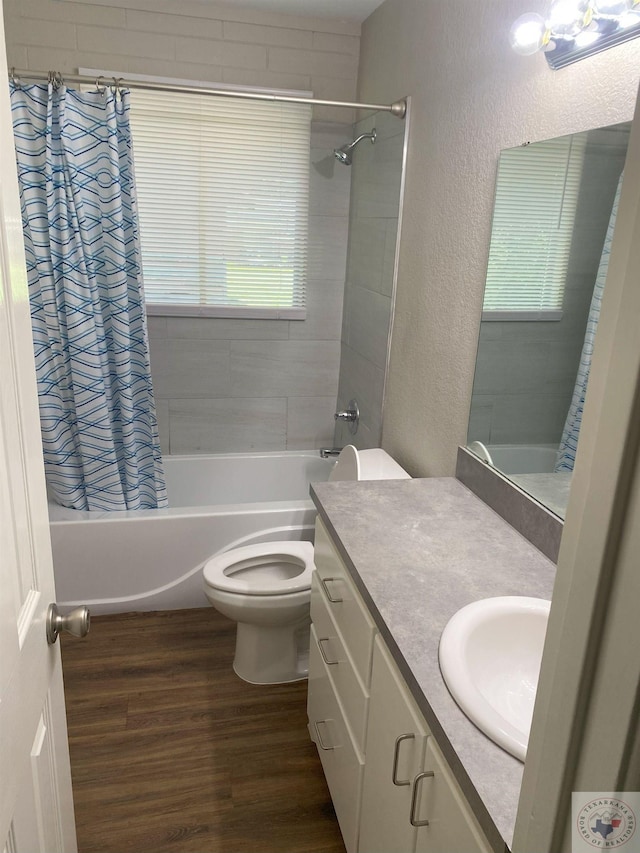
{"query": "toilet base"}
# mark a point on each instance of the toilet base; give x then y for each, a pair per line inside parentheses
(272, 654)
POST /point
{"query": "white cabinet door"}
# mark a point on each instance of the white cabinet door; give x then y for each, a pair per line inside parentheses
(396, 739)
(451, 828)
(36, 809)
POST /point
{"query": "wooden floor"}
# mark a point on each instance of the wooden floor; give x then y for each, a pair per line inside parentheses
(171, 751)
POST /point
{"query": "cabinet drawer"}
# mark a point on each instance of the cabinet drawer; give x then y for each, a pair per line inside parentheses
(351, 693)
(342, 765)
(344, 603)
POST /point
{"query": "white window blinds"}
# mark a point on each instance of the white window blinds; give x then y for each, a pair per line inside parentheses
(223, 193)
(535, 207)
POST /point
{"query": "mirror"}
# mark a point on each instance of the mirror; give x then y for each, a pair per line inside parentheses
(554, 214)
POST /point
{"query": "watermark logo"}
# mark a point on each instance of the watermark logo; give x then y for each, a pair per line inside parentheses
(605, 821)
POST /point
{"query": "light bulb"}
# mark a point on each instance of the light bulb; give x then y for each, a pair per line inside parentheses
(568, 17)
(528, 34)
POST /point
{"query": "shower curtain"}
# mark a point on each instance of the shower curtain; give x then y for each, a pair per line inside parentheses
(97, 411)
(569, 442)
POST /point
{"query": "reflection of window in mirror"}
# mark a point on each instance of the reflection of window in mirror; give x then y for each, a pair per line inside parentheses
(535, 207)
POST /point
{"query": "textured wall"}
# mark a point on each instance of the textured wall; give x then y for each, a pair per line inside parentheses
(471, 96)
(224, 385)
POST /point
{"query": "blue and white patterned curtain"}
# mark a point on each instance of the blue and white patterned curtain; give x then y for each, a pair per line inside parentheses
(97, 412)
(569, 443)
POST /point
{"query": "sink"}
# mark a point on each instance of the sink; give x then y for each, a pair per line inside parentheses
(490, 654)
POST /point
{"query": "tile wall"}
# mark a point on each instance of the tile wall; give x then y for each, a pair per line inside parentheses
(373, 229)
(226, 385)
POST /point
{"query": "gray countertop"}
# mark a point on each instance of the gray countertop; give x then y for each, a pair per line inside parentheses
(419, 550)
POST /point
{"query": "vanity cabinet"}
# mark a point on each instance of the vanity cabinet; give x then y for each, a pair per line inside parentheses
(390, 785)
(341, 651)
(410, 800)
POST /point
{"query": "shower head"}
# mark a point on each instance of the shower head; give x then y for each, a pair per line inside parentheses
(343, 154)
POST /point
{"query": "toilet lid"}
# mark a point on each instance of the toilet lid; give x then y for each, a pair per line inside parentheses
(262, 569)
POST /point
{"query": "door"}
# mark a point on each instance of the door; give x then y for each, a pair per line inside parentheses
(36, 807)
(445, 820)
(396, 738)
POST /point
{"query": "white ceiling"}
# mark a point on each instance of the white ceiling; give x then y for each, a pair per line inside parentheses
(349, 10)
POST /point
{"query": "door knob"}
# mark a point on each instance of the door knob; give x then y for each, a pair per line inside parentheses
(75, 623)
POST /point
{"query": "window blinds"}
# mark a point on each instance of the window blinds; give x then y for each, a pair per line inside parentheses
(534, 214)
(223, 193)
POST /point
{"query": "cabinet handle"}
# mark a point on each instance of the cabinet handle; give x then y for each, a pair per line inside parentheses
(396, 758)
(414, 799)
(320, 741)
(324, 656)
(324, 582)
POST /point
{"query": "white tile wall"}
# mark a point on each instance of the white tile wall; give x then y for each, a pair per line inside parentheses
(205, 41)
(190, 368)
(310, 422)
(227, 384)
(373, 228)
(324, 312)
(225, 425)
(362, 380)
(284, 368)
(367, 324)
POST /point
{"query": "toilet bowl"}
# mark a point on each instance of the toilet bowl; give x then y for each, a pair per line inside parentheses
(266, 588)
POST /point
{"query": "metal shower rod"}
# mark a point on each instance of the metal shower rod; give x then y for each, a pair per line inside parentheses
(398, 108)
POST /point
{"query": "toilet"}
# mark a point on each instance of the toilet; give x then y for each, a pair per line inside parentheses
(266, 588)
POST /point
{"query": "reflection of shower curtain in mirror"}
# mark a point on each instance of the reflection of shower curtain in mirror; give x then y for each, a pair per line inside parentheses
(569, 442)
(98, 419)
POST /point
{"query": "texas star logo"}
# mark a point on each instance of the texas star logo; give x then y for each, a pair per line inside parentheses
(606, 823)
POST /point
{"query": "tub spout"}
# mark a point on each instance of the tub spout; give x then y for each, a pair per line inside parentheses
(327, 452)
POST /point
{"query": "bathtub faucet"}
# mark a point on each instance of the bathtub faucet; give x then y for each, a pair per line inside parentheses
(326, 452)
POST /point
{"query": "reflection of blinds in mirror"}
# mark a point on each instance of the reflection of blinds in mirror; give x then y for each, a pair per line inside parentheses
(535, 207)
(223, 189)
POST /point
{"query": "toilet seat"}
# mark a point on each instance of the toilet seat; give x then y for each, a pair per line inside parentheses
(231, 571)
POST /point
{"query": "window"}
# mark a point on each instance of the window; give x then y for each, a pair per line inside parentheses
(223, 190)
(533, 221)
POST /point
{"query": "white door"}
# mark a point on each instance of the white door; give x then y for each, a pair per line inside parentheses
(36, 807)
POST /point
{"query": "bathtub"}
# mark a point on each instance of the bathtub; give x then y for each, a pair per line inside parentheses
(152, 559)
(524, 458)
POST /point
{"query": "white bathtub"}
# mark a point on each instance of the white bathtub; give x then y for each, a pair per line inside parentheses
(524, 458)
(151, 559)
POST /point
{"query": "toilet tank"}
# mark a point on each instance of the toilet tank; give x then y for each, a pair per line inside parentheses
(373, 464)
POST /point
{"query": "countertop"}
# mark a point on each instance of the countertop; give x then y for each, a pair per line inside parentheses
(418, 551)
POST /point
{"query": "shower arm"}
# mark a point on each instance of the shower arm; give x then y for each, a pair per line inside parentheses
(371, 136)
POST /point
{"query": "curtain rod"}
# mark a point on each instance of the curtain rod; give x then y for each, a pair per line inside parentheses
(398, 108)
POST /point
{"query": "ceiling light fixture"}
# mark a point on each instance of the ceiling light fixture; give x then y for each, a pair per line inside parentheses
(575, 29)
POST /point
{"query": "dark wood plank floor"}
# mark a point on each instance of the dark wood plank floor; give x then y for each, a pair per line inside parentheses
(171, 751)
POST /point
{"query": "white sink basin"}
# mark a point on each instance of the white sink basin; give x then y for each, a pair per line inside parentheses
(490, 654)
